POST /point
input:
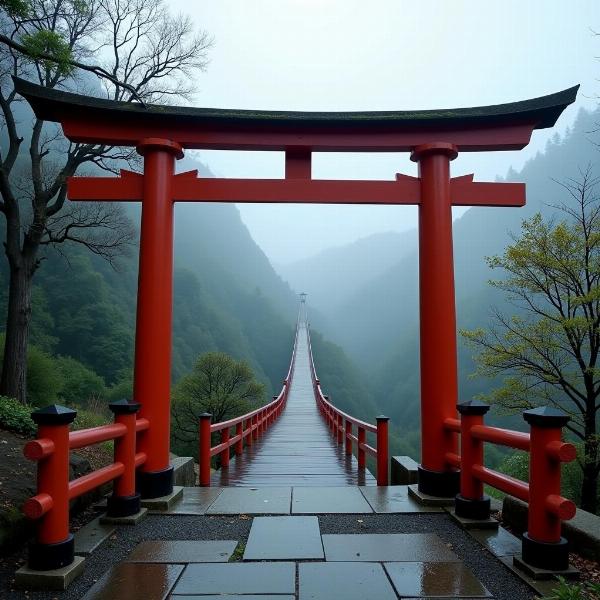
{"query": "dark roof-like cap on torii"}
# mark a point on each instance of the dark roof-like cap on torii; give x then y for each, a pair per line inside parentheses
(50, 104)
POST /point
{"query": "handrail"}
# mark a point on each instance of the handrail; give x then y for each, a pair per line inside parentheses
(542, 545)
(248, 427)
(341, 425)
(51, 449)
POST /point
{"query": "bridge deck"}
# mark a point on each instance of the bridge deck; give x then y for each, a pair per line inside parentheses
(298, 449)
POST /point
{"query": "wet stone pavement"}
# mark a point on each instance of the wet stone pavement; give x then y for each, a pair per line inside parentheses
(205, 549)
(276, 563)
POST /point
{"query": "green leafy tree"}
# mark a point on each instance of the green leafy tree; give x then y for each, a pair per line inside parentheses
(126, 50)
(45, 381)
(548, 351)
(81, 385)
(218, 384)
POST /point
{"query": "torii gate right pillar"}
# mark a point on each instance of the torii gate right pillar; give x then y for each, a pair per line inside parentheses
(438, 349)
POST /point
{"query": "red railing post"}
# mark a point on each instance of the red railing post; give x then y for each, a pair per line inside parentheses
(54, 546)
(124, 501)
(254, 423)
(239, 431)
(362, 438)
(340, 429)
(471, 503)
(348, 438)
(543, 546)
(225, 453)
(204, 450)
(250, 436)
(382, 450)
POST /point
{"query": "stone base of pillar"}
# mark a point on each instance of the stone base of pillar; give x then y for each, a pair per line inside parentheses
(443, 484)
(123, 506)
(472, 509)
(155, 484)
(547, 556)
(55, 579)
(48, 557)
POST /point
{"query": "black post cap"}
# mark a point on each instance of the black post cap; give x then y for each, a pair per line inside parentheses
(206, 415)
(546, 416)
(380, 418)
(472, 407)
(55, 414)
(124, 407)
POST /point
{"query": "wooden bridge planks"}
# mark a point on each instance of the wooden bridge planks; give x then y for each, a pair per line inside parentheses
(298, 450)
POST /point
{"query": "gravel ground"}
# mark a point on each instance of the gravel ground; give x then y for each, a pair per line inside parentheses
(498, 579)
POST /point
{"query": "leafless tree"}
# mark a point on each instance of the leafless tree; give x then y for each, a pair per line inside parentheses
(126, 50)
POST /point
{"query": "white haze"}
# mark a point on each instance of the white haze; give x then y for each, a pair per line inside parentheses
(383, 55)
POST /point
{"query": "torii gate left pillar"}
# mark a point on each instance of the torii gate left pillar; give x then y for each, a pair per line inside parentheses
(152, 367)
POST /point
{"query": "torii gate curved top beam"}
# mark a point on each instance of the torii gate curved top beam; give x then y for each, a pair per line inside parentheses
(96, 120)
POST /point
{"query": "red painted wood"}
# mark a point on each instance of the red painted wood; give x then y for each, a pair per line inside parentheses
(124, 452)
(546, 506)
(298, 164)
(53, 480)
(463, 191)
(471, 454)
(317, 139)
(439, 384)
(152, 364)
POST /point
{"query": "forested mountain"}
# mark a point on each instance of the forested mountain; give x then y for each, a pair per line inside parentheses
(227, 297)
(340, 272)
(378, 324)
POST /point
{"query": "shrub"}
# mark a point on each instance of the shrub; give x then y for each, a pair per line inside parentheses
(574, 591)
(44, 380)
(16, 417)
(80, 384)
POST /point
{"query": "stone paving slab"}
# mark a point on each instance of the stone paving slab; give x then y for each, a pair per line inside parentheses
(394, 499)
(317, 500)
(90, 536)
(541, 587)
(129, 580)
(284, 538)
(431, 580)
(237, 578)
(195, 501)
(384, 547)
(351, 581)
(499, 542)
(234, 597)
(167, 551)
(55, 579)
(237, 501)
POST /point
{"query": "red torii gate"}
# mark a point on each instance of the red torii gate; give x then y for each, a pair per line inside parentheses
(433, 137)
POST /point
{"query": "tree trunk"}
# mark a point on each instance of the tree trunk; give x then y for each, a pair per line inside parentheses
(589, 487)
(14, 367)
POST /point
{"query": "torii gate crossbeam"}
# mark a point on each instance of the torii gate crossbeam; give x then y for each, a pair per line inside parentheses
(434, 138)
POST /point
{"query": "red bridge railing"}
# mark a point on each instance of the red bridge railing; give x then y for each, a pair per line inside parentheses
(54, 546)
(543, 546)
(341, 425)
(249, 427)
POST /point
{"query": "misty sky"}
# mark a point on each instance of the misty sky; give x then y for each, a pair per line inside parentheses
(383, 55)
